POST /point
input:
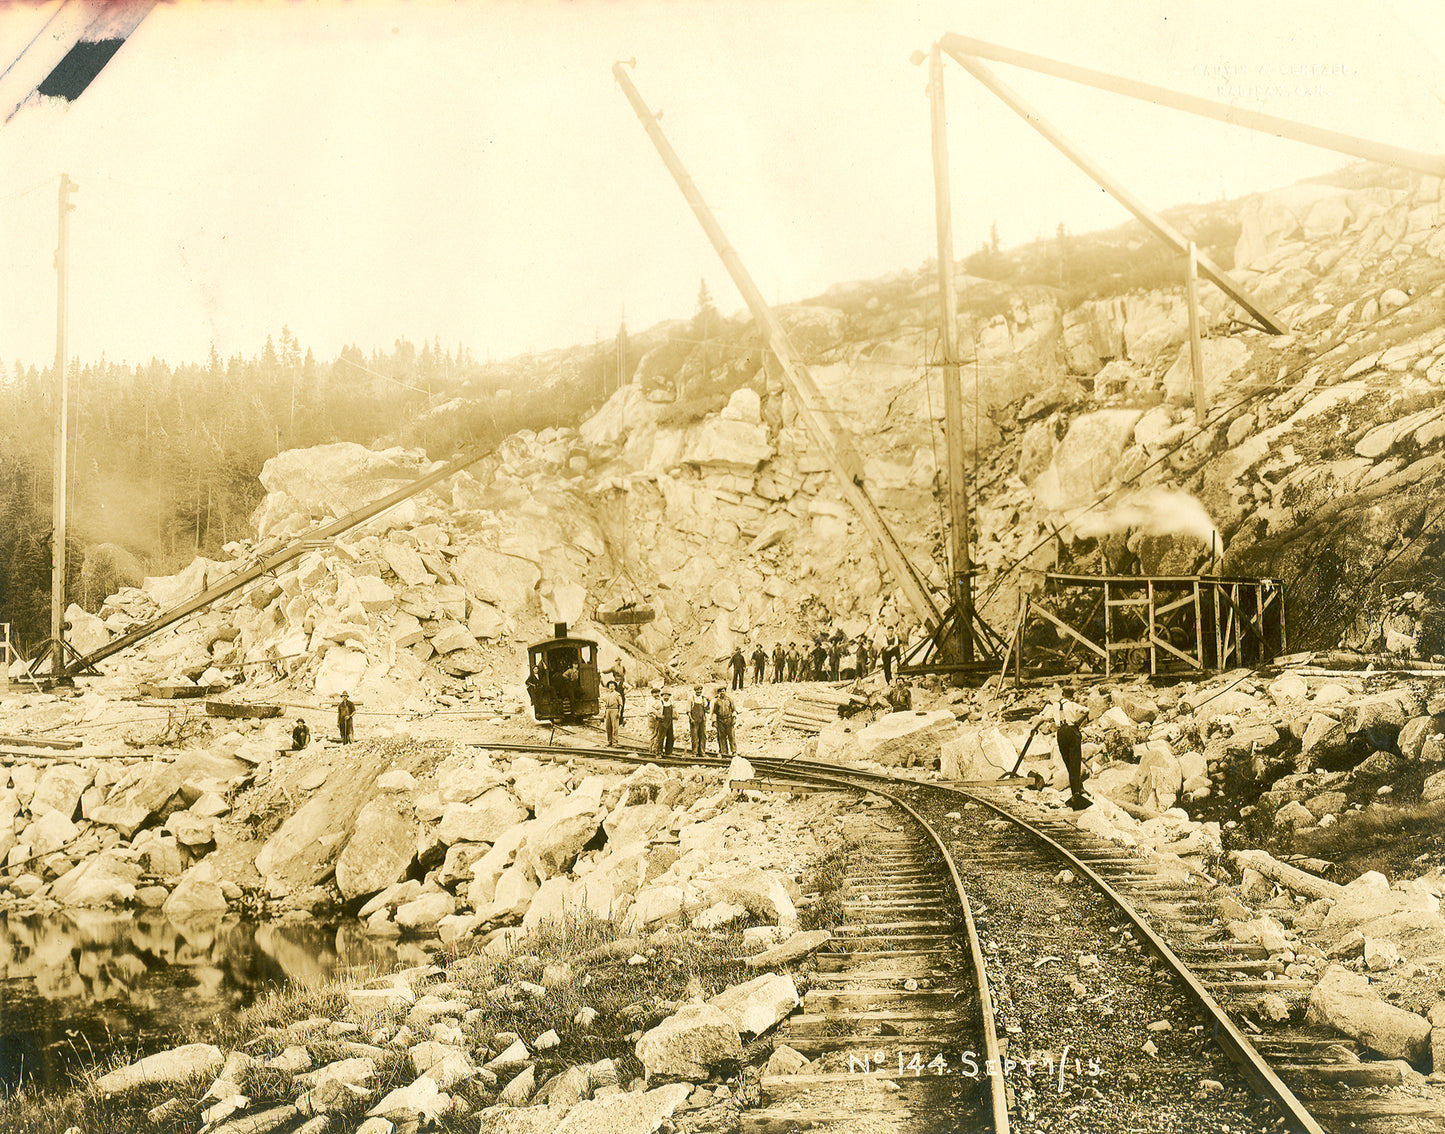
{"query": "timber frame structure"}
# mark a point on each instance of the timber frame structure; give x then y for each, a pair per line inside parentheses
(1159, 624)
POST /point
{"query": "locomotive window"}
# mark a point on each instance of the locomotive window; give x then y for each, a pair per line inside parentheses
(587, 654)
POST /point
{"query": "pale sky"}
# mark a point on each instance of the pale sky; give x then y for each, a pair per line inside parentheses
(371, 171)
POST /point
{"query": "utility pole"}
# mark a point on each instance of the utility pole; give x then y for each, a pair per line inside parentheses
(961, 639)
(62, 429)
(622, 348)
(1196, 359)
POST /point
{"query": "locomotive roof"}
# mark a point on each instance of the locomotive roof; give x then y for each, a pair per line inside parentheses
(570, 640)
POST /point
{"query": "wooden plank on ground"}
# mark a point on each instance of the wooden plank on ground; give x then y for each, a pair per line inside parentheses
(41, 742)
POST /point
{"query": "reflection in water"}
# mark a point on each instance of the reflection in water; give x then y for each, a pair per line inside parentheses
(79, 985)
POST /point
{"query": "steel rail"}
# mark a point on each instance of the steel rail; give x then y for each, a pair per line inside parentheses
(791, 772)
(1229, 1037)
(1235, 1044)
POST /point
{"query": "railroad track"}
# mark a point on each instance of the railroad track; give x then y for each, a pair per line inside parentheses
(1115, 986)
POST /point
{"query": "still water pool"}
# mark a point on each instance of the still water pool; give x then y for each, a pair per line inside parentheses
(78, 986)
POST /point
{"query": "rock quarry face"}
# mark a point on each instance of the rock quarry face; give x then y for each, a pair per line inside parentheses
(734, 526)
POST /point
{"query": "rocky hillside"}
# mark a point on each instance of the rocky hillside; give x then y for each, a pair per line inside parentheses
(695, 489)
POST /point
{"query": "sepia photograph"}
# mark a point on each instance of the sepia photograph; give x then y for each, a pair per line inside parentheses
(722, 567)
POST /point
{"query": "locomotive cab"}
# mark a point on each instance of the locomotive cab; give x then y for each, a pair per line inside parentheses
(562, 677)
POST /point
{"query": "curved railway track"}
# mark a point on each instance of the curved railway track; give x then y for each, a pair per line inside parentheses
(1079, 944)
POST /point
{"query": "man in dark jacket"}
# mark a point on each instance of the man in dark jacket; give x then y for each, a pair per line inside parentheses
(1071, 749)
(739, 664)
(760, 663)
(344, 712)
(780, 662)
(300, 736)
(820, 661)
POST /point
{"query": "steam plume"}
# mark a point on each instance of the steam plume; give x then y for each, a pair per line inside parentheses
(1157, 511)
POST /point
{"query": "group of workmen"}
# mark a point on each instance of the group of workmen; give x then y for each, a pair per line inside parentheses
(823, 661)
(662, 713)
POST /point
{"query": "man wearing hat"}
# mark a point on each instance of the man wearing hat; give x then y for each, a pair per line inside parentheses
(345, 711)
(666, 710)
(1071, 750)
(697, 721)
(654, 721)
(300, 735)
(611, 712)
(724, 712)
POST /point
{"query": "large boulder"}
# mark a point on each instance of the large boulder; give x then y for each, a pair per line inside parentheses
(59, 789)
(1159, 778)
(1345, 1001)
(511, 895)
(905, 740)
(197, 894)
(172, 590)
(538, 785)
(331, 480)
(689, 1044)
(757, 1005)
(976, 753)
(635, 824)
(1083, 464)
(761, 894)
(630, 1112)
(505, 581)
(726, 443)
(380, 849)
(1222, 357)
(559, 833)
(194, 1061)
(422, 913)
(107, 879)
(1370, 897)
(482, 821)
(341, 671)
(303, 850)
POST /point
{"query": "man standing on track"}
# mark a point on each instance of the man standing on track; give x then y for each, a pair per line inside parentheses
(611, 712)
(723, 711)
(667, 719)
(697, 721)
(618, 675)
(654, 720)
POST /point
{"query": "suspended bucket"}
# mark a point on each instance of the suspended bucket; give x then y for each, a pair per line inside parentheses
(628, 614)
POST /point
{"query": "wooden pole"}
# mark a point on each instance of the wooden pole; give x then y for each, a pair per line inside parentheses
(1366, 148)
(1115, 188)
(62, 428)
(1196, 357)
(959, 644)
(838, 450)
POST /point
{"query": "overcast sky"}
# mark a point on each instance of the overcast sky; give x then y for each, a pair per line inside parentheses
(371, 171)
